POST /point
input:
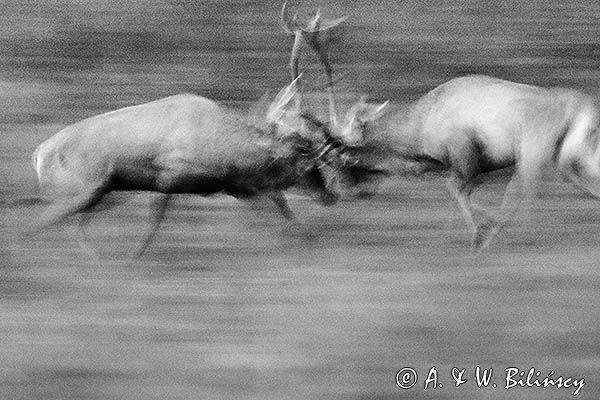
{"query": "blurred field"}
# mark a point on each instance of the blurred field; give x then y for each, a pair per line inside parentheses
(230, 302)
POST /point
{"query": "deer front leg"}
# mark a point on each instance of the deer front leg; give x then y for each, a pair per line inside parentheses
(488, 229)
(279, 199)
(460, 191)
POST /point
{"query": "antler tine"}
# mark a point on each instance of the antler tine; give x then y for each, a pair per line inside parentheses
(294, 60)
(290, 25)
(313, 40)
(311, 33)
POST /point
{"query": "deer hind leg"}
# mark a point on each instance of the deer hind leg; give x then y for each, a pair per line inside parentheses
(583, 171)
(84, 242)
(579, 157)
(157, 214)
(65, 207)
(588, 183)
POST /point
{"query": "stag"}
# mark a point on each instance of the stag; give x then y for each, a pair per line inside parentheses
(472, 125)
(186, 144)
(465, 128)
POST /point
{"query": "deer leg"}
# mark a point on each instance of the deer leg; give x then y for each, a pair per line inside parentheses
(330, 189)
(466, 157)
(322, 185)
(589, 185)
(513, 197)
(279, 199)
(583, 172)
(521, 188)
(460, 191)
(63, 208)
(84, 242)
(84, 219)
(157, 213)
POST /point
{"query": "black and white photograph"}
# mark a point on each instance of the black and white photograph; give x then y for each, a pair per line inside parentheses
(299, 199)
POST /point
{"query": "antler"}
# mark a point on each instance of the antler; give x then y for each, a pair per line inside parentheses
(310, 32)
(291, 25)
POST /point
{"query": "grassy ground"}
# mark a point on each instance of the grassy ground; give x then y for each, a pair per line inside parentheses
(232, 302)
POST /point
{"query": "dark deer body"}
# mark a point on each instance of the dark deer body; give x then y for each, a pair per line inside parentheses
(180, 144)
(190, 144)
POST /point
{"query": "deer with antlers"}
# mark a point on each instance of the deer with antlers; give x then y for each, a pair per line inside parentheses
(477, 124)
(185, 144)
(472, 125)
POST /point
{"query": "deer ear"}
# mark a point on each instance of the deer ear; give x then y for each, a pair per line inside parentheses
(278, 107)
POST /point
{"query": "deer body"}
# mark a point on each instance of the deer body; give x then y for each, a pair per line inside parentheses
(476, 124)
(493, 117)
(486, 117)
(180, 144)
(190, 144)
(466, 127)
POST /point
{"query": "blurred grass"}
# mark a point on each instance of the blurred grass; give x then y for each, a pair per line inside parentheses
(64, 59)
(231, 303)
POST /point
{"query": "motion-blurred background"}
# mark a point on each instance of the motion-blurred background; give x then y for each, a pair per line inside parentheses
(230, 302)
